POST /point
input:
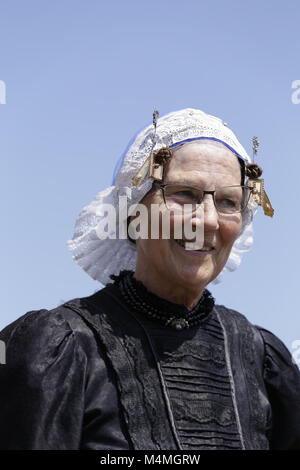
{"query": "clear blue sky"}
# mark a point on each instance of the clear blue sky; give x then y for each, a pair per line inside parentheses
(83, 76)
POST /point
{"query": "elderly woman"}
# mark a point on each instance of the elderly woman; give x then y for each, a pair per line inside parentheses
(149, 361)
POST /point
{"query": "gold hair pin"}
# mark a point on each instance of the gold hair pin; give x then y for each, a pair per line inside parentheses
(253, 171)
(154, 164)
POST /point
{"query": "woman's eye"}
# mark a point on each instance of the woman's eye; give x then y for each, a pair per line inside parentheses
(186, 194)
(227, 202)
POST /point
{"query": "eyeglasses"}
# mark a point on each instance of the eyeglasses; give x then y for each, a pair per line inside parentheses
(227, 199)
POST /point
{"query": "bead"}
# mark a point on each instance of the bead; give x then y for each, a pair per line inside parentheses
(134, 294)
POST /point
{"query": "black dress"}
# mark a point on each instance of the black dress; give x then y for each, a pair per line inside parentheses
(97, 373)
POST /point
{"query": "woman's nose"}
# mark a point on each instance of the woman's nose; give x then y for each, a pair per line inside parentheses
(208, 214)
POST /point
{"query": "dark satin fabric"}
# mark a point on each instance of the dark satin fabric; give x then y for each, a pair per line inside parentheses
(58, 391)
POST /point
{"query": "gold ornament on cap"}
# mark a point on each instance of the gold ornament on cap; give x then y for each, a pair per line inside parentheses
(153, 166)
(157, 162)
(256, 184)
(143, 170)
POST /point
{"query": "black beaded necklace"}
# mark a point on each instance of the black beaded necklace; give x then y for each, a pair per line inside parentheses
(137, 297)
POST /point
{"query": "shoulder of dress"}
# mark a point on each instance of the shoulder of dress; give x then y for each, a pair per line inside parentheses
(38, 322)
(45, 333)
(237, 324)
(275, 349)
(37, 340)
(63, 316)
(232, 313)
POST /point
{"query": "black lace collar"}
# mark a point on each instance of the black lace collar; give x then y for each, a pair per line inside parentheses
(170, 314)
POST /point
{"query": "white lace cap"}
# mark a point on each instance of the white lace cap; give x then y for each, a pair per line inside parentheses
(102, 257)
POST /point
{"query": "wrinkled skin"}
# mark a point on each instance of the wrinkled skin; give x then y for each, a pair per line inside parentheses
(164, 267)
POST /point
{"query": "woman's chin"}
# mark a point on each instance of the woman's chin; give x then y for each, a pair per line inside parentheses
(195, 277)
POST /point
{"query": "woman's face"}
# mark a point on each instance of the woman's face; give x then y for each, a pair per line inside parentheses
(208, 165)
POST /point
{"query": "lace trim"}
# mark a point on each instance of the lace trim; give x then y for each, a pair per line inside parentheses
(257, 429)
(197, 382)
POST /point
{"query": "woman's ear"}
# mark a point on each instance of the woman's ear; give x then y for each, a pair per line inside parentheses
(129, 219)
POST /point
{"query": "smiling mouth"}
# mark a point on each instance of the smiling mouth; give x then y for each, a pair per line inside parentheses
(194, 246)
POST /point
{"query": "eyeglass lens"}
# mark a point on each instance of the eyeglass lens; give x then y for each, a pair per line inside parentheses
(227, 199)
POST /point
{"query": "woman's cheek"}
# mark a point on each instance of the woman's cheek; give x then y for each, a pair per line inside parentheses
(229, 232)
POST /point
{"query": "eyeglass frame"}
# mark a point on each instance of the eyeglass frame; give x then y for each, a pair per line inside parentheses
(163, 185)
